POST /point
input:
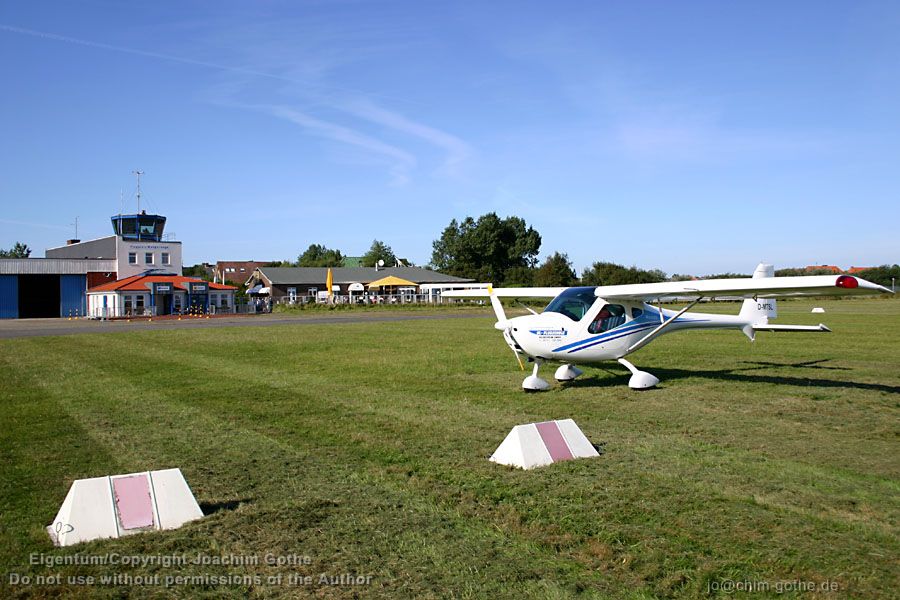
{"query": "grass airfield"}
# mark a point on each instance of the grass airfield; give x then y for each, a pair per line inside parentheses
(361, 449)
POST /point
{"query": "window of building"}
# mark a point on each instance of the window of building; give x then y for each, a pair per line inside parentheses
(148, 258)
(128, 305)
(213, 299)
(292, 294)
(225, 300)
(132, 258)
(165, 258)
(139, 303)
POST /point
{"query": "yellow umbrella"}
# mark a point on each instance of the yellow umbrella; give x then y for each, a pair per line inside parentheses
(390, 280)
(329, 281)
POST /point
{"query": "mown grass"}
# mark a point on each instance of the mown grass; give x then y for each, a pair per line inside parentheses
(364, 446)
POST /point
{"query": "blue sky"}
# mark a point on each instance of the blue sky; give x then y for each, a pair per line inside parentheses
(693, 137)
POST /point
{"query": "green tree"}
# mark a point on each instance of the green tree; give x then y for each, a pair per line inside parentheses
(794, 272)
(487, 249)
(607, 273)
(881, 275)
(202, 271)
(728, 276)
(519, 277)
(318, 255)
(19, 250)
(379, 251)
(556, 271)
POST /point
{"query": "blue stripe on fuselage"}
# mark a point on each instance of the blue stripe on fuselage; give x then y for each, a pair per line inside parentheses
(595, 341)
(649, 318)
(633, 326)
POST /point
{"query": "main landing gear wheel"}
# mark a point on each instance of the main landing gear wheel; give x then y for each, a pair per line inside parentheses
(567, 373)
(640, 380)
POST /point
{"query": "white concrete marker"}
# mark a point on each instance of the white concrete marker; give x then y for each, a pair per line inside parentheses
(117, 505)
(539, 444)
(818, 309)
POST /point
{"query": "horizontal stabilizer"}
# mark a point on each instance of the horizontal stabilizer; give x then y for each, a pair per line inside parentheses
(807, 328)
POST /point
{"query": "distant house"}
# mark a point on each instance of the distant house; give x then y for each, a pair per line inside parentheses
(835, 270)
(830, 268)
(294, 284)
(236, 270)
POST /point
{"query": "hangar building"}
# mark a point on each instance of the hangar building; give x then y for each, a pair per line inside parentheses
(58, 285)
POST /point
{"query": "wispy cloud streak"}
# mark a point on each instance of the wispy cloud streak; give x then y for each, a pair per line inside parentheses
(145, 53)
(354, 104)
(456, 150)
(401, 161)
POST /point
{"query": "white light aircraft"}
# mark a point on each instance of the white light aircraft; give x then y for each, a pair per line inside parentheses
(585, 325)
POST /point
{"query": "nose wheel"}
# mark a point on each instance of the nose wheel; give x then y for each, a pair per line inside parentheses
(533, 383)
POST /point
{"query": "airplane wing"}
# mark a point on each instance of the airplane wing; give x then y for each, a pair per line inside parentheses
(510, 292)
(760, 287)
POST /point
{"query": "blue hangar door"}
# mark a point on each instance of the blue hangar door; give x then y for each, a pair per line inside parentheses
(9, 296)
(72, 297)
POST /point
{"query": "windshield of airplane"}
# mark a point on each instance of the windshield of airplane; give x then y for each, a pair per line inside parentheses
(574, 302)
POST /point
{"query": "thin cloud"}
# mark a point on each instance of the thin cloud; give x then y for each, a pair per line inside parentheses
(456, 149)
(179, 59)
(360, 106)
(28, 224)
(305, 83)
(401, 161)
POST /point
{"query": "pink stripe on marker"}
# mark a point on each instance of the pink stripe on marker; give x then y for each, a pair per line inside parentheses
(553, 439)
(133, 501)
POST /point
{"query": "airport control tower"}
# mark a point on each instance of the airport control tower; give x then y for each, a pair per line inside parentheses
(142, 226)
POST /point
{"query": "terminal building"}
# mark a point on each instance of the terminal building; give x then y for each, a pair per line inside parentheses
(62, 283)
(308, 284)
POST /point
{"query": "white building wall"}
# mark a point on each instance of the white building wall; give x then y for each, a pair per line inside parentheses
(140, 248)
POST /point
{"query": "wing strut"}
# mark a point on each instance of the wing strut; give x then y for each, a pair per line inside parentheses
(646, 339)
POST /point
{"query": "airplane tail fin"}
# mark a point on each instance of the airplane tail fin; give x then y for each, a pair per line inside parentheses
(758, 311)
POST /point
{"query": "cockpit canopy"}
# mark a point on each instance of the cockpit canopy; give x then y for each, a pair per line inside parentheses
(576, 302)
(573, 302)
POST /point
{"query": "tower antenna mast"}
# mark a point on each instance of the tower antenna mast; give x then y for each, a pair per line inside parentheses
(138, 173)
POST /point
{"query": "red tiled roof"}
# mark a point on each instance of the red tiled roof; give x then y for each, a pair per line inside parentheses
(138, 283)
(832, 268)
(238, 269)
(853, 270)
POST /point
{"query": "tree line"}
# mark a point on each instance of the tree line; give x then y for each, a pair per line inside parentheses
(504, 251)
(318, 255)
